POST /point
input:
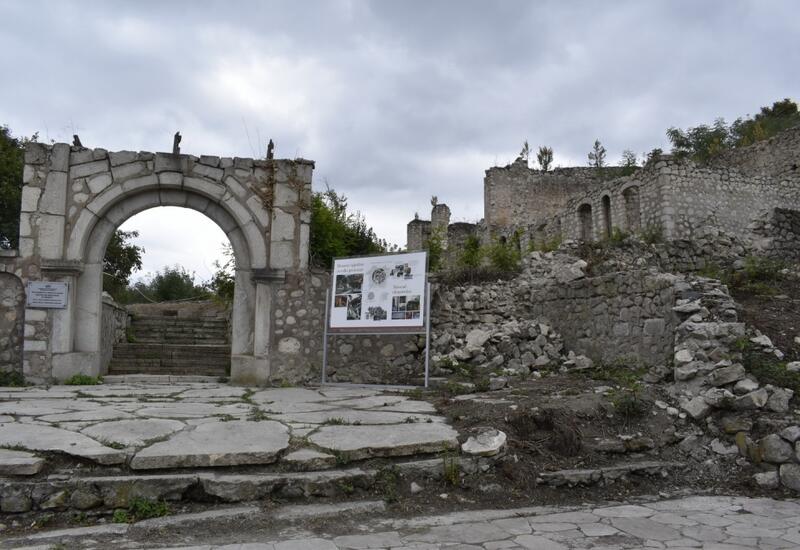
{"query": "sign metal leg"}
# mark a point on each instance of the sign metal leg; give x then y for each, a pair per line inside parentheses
(325, 336)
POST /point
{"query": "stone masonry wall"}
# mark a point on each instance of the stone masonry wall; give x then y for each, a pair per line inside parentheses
(298, 317)
(516, 196)
(780, 234)
(613, 316)
(114, 329)
(12, 322)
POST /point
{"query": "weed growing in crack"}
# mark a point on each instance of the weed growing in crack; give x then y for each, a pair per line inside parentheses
(451, 470)
(387, 480)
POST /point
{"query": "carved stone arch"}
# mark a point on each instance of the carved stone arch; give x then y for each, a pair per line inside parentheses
(73, 200)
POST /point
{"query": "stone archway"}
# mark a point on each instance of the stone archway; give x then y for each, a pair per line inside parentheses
(75, 198)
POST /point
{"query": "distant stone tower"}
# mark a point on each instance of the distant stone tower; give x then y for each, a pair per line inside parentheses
(440, 221)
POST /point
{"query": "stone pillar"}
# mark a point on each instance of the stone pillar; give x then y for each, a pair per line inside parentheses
(440, 221)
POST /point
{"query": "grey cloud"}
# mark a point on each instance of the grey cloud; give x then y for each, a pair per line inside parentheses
(396, 101)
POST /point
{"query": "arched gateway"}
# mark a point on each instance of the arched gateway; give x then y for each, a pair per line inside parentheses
(73, 199)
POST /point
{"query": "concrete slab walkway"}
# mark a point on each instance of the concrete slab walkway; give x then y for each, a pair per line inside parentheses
(186, 424)
(700, 522)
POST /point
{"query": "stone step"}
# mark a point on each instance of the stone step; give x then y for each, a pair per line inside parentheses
(213, 372)
(110, 492)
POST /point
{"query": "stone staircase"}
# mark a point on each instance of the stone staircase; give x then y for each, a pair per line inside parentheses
(174, 346)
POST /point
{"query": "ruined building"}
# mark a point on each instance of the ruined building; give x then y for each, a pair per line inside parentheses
(752, 192)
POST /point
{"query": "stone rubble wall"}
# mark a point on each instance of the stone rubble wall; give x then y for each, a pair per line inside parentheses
(12, 322)
(713, 387)
(114, 327)
(779, 234)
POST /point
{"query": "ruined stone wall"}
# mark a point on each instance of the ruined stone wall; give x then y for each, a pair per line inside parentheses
(777, 158)
(613, 316)
(12, 322)
(516, 196)
(115, 322)
(417, 232)
(724, 198)
(780, 234)
(631, 204)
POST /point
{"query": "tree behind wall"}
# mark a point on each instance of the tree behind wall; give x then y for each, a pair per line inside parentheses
(12, 161)
(597, 156)
(335, 232)
(545, 158)
(122, 258)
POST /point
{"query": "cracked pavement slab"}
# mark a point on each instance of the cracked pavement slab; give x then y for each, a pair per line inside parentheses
(151, 425)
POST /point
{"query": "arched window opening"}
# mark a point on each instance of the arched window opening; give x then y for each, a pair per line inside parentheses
(585, 221)
(607, 215)
(632, 209)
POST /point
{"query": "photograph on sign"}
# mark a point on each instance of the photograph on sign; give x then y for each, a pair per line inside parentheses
(379, 291)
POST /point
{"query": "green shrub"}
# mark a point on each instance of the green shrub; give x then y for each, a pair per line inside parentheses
(472, 254)
(12, 379)
(83, 380)
(617, 237)
(435, 247)
(548, 245)
(653, 234)
(504, 256)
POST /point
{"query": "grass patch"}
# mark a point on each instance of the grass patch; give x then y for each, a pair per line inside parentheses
(619, 373)
(335, 421)
(758, 276)
(83, 380)
(257, 415)
(768, 370)
(141, 508)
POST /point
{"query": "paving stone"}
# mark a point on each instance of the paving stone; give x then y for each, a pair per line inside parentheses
(350, 416)
(624, 511)
(306, 544)
(645, 528)
(198, 518)
(133, 433)
(19, 463)
(391, 440)
(289, 395)
(192, 410)
(305, 512)
(597, 529)
(535, 542)
(373, 540)
(309, 459)
(217, 444)
(46, 438)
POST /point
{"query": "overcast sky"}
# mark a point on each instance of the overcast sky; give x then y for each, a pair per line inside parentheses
(394, 100)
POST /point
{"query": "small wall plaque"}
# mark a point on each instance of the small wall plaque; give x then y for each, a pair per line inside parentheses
(46, 294)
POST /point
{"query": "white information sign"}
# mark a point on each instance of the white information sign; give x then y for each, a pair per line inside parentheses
(51, 295)
(379, 292)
